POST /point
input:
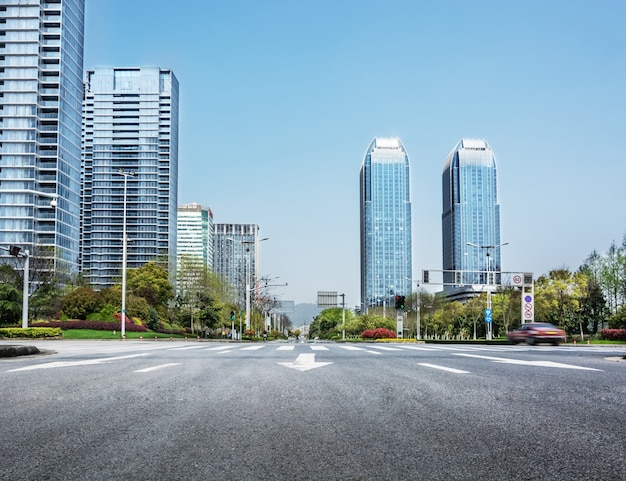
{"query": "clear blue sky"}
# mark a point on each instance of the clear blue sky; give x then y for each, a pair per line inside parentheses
(280, 99)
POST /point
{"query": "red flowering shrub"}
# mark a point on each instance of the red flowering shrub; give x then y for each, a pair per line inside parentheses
(378, 333)
(614, 334)
(96, 325)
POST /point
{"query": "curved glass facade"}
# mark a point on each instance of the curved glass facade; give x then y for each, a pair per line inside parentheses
(385, 195)
(471, 213)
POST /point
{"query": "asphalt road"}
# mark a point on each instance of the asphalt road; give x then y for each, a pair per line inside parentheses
(131, 410)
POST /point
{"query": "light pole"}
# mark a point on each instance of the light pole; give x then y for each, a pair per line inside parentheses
(487, 284)
(126, 175)
(418, 310)
(255, 242)
(343, 316)
(15, 251)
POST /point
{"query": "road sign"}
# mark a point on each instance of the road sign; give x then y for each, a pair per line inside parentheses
(488, 312)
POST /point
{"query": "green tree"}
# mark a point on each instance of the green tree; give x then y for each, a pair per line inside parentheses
(81, 302)
(151, 282)
(558, 297)
(10, 304)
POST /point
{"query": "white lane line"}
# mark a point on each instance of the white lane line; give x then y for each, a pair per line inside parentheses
(416, 348)
(252, 348)
(354, 348)
(220, 348)
(154, 368)
(521, 362)
(386, 348)
(319, 348)
(186, 348)
(86, 362)
(285, 348)
(443, 368)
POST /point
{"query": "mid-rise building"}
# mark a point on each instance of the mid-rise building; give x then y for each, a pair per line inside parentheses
(41, 72)
(471, 215)
(385, 195)
(130, 171)
(195, 234)
(237, 257)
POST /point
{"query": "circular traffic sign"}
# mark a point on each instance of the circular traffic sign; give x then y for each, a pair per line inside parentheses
(517, 279)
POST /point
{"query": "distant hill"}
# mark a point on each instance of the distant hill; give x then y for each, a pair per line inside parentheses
(303, 314)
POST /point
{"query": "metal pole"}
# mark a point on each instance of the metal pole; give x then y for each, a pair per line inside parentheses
(343, 315)
(124, 252)
(124, 259)
(25, 295)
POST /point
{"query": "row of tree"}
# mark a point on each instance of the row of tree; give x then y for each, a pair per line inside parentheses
(203, 299)
(581, 302)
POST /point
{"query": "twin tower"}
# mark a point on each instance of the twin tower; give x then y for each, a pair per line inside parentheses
(470, 217)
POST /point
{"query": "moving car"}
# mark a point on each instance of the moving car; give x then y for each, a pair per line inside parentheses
(534, 332)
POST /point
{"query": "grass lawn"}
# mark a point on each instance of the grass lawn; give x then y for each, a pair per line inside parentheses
(95, 334)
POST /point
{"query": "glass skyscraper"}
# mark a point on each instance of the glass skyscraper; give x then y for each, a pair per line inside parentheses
(385, 195)
(41, 89)
(237, 257)
(471, 214)
(130, 124)
(195, 233)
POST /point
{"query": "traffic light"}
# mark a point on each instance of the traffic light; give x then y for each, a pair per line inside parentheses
(402, 302)
(232, 315)
(14, 250)
(425, 277)
(397, 302)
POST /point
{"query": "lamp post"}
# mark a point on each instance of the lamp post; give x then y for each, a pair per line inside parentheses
(126, 175)
(255, 242)
(418, 310)
(488, 249)
(15, 251)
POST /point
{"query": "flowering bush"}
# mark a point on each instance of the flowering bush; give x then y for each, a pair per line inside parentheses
(96, 325)
(614, 334)
(379, 333)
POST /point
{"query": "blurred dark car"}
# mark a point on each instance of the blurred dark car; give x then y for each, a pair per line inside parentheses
(535, 332)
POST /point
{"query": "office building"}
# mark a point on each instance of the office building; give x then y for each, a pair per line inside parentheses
(41, 87)
(471, 215)
(237, 257)
(385, 195)
(130, 166)
(195, 234)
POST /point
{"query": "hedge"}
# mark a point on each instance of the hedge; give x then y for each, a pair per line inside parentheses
(30, 332)
(96, 325)
(614, 334)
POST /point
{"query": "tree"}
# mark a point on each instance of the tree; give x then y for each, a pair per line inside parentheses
(10, 304)
(557, 297)
(151, 282)
(202, 295)
(81, 302)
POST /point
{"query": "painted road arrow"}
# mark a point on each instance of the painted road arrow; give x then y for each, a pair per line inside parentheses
(304, 362)
(528, 363)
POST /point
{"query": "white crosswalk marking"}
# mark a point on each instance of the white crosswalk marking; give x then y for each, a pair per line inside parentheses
(319, 348)
(285, 348)
(386, 348)
(253, 348)
(443, 368)
(154, 368)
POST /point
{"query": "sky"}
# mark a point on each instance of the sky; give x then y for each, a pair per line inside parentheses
(280, 99)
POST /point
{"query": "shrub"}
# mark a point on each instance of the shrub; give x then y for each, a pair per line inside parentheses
(614, 334)
(95, 325)
(30, 332)
(378, 333)
(81, 302)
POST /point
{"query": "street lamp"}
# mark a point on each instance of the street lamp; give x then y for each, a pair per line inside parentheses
(255, 242)
(126, 175)
(17, 252)
(488, 249)
(418, 313)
